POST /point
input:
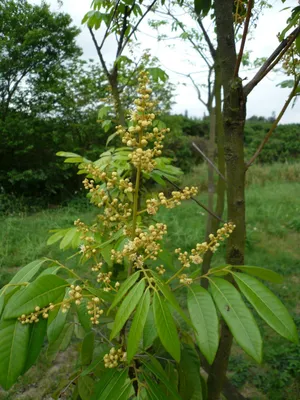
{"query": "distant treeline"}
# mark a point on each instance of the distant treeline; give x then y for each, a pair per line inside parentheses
(29, 167)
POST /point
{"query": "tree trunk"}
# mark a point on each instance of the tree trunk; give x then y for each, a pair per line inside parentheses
(210, 171)
(221, 186)
(113, 80)
(234, 114)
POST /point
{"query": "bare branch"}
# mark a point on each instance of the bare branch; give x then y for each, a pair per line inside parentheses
(275, 123)
(190, 39)
(207, 38)
(137, 25)
(209, 161)
(245, 33)
(198, 91)
(272, 61)
(122, 34)
(108, 26)
(102, 61)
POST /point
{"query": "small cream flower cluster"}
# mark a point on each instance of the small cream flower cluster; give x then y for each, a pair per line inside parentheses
(115, 214)
(139, 135)
(201, 248)
(114, 358)
(160, 269)
(76, 294)
(185, 280)
(175, 200)
(146, 241)
(94, 310)
(34, 316)
(97, 267)
(291, 61)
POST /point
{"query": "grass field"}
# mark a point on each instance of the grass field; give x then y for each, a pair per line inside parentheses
(273, 236)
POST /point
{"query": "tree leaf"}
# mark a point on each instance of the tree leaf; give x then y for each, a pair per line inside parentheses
(137, 326)
(297, 42)
(154, 366)
(56, 322)
(127, 307)
(101, 350)
(155, 392)
(190, 383)
(165, 326)
(36, 342)
(164, 288)
(124, 289)
(150, 332)
(85, 387)
(14, 339)
(44, 290)
(67, 154)
(263, 273)
(110, 384)
(61, 343)
(237, 316)
(204, 317)
(67, 239)
(87, 348)
(83, 316)
(267, 305)
(50, 271)
(26, 273)
(57, 236)
(202, 6)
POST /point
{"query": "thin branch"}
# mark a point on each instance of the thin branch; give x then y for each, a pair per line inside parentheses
(107, 73)
(274, 125)
(209, 161)
(198, 92)
(109, 23)
(137, 25)
(207, 38)
(195, 200)
(269, 63)
(122, 34)
(190, 40)
(245, 33)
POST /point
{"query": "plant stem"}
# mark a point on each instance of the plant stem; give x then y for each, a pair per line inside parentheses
(136, 200)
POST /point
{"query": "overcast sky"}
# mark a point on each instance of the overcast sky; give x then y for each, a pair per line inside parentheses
(176, 57)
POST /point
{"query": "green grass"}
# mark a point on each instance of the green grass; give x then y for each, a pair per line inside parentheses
(273, 234)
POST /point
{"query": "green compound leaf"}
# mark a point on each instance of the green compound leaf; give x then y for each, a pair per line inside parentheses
(267, 305)
(263, 273)
(85, 387)
(87, 348)
(83, 316)
(166, 327)
(124, 289)
(67, 239)
(202, 6)
(111, 385)
(190, 383)
(36, 342)
(137, 327)
(56, 322)
(14, 339)
(205, 319)
(154, 391)
(237, 316)
(44, 290)
(150, 332)
(127, 307)
(164, 288)
(156, 369)
(61, 343)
